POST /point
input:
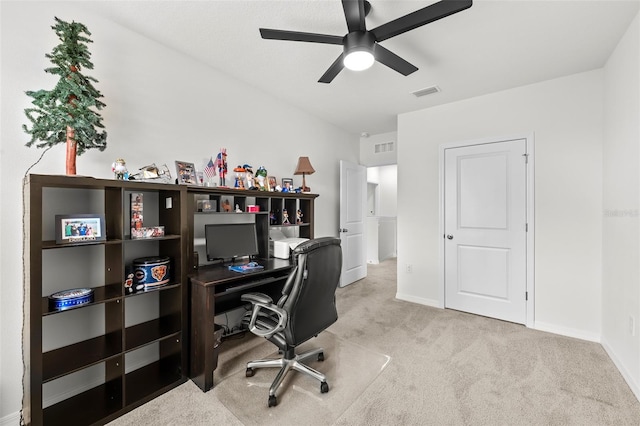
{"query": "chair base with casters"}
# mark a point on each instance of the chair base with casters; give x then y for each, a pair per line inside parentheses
(288, 362)
(306, 308)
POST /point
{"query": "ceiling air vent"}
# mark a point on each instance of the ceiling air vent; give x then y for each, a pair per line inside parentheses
(383, 147)
(426, 91)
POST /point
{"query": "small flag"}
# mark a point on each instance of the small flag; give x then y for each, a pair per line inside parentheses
(210, 170)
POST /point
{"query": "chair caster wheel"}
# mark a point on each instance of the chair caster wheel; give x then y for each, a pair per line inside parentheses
(249, 372)
(321, 356)
(324, 387)
(273, 401)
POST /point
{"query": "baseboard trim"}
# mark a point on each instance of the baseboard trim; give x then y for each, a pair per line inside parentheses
(12, 419)
(566, 331)
(633, 385)
(419, 300)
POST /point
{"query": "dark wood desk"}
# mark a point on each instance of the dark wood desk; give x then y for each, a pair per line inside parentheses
(214, 290)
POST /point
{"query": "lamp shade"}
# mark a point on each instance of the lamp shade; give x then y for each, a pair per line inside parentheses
(304, 167)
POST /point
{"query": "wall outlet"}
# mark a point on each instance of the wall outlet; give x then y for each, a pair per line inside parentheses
(168, 202)
(409, 268)
(632, 325)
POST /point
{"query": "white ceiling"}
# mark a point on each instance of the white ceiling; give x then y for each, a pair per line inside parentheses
(494, 45)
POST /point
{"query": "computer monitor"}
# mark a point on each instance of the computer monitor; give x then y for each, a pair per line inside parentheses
(229, 241)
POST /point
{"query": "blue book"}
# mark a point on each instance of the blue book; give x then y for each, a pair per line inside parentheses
(247, 267)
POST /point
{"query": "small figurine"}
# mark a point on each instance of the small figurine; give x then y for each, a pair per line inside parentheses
(249, 177)
(221, 163)
(261, 177)
(238, 209)
(128, 284)
(299, 216)
(240, 172)
(119, 168)
(272, 218)
(285, 217)
(226, 206)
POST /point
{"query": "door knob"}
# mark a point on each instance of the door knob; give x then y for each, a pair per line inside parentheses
(450, 237)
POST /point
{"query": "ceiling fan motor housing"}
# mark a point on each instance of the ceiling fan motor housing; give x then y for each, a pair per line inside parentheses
(359, 41)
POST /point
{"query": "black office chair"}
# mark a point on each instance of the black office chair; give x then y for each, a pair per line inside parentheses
(306, 308)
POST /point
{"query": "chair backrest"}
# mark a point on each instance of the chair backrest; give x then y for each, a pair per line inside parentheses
(310, 297)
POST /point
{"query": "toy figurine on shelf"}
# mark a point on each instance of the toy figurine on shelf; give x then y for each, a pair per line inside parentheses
(119, 168)
(248, 176)
(285, 217)
(299, 216)
(261, 177)
(226, 206)
(240, 173)
(238, 209)
(272, 218)
(221, 164)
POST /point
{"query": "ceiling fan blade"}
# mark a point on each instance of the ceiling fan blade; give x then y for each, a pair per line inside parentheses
(420, 17)
(299, 36)
(354, 12)
(393, 61)
(333, 70)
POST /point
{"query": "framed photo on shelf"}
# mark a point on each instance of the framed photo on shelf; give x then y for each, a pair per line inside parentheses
(287, 185)
(272, 182)
(80, 228)
(186, 173)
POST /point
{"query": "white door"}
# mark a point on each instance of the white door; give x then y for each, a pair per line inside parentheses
(485, 229)
(353, 199)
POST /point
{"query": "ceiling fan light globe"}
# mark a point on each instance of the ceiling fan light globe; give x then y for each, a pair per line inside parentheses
(359, 60)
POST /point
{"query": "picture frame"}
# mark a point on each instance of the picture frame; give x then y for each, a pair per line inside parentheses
(287, 185)
(186, 173)
(272, 182)
(147, 232)
(74, 229)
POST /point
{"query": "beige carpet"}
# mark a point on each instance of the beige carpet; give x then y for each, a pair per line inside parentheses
(446, 368)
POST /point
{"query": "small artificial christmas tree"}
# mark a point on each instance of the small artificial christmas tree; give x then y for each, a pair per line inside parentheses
(65, 113)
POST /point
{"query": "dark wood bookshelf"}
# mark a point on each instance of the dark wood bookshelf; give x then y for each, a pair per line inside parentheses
(162, 337)
(119, 391)
(151, 331)
(108, 293)
(89, 407)
(153, 379)
(69, 359)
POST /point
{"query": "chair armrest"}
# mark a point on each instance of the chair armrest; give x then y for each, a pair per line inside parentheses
(256, 298)
(261, 303)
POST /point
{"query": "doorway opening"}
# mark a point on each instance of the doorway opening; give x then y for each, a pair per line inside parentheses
(381, 217)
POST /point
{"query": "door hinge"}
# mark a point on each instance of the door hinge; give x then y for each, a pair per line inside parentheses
(526, 295)
(526, 158)
(526, 227)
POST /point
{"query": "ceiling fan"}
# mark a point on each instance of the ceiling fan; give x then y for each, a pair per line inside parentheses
(361, 46)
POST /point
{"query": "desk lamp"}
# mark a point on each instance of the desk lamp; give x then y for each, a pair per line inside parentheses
(304, 168)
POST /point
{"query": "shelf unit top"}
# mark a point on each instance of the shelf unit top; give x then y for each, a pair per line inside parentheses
(78, 181)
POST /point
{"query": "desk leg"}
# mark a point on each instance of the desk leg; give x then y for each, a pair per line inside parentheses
(203, 357)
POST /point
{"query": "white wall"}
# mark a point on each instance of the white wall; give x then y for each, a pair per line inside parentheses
(161, 106)
(368, 156)
(621, 221)
(567, 118)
